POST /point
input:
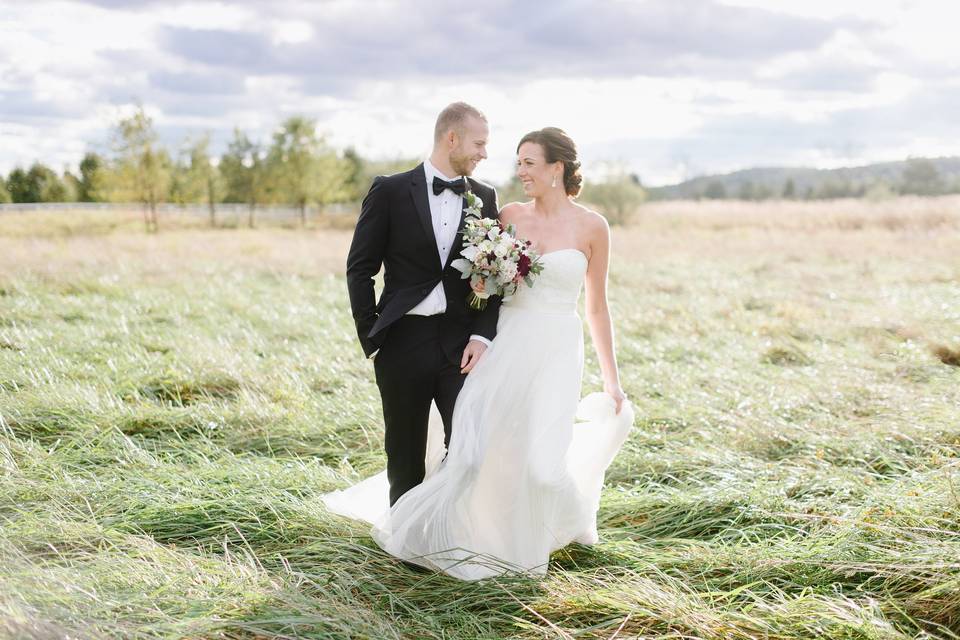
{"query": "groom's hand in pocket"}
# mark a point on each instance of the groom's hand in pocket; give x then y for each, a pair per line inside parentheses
(471, 355)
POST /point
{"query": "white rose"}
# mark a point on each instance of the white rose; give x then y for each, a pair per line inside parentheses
(508, 273)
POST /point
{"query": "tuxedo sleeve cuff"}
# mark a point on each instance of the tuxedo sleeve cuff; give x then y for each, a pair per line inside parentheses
(481, 339)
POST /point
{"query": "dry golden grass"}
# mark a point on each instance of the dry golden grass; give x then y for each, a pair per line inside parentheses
(787, 230)
(849, 214)
(179, 249)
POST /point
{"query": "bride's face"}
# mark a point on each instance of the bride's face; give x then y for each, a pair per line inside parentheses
(535, 174)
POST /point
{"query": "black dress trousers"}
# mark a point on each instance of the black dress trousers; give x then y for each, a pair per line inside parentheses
(412, 369)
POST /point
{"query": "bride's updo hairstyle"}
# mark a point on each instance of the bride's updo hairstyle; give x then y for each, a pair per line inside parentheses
(558, 147)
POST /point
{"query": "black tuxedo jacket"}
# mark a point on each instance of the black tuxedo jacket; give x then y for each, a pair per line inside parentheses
(395, 230)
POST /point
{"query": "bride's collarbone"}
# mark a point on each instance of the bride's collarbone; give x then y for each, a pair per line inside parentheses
(549, 244)
(537, 232)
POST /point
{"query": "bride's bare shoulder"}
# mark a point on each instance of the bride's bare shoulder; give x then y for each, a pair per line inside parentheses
(513, 210)
(591, 219)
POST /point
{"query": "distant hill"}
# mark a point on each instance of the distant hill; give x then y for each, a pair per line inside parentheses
(924, 176)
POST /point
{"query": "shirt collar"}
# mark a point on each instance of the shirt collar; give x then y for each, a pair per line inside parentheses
(432, 171)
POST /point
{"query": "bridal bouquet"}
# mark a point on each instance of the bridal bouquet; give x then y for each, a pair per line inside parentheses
(494, 259)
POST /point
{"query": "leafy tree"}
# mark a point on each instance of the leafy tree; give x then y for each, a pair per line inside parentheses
(303, 169)
(835, 188)
(182, 191)
(762, 192)
(37, 184)
(747, 191)
(353, 183)
(617, 197)
(71, 186)
(715, 190)
(92, 175)
(789, 190)
(208, 175)
(244, 172)
(195, 178)
(142, 168)
(373, 168)
(920, 177)
(46, 183)
(4, 194)
(20, 187)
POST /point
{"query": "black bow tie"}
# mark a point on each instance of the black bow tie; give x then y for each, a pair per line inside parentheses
(458, 186)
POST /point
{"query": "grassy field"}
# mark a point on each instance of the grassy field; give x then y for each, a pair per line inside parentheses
(171, 407)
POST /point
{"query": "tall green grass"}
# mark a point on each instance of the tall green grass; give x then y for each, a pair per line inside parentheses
(171, 408)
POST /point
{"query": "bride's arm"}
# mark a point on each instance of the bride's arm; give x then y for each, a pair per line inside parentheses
(598, 311)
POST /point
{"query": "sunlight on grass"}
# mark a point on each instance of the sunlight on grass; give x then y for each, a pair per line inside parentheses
(171, 408)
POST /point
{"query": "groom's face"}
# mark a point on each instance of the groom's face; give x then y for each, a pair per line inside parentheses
(471, 146)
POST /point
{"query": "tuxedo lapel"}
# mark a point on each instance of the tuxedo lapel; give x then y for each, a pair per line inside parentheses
(458, 239)
(418, 191)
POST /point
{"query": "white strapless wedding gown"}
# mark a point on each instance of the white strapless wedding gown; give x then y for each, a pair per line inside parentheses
(522, 478)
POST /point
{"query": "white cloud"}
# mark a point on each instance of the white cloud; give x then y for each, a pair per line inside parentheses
(670, 87)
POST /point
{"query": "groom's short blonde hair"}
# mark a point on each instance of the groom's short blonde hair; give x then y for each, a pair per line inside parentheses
(453, 117)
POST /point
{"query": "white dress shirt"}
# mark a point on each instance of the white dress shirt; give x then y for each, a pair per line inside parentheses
(445, 208)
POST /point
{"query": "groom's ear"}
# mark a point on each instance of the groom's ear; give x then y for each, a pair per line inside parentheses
(452, 138)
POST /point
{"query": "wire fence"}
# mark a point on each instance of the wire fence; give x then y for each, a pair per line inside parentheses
(223, 211)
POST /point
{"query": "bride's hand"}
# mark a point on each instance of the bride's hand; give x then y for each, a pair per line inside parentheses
(615, 392)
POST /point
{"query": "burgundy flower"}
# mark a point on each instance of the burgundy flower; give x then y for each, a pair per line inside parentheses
(523, 265)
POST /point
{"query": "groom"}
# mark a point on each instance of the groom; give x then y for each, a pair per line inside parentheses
(421, 334)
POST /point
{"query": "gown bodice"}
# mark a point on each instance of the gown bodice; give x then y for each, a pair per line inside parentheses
(557, 288)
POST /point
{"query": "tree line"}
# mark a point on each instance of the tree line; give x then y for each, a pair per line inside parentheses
(296, 168)
(919, 176)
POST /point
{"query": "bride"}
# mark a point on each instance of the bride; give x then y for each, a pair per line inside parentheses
(521, 478)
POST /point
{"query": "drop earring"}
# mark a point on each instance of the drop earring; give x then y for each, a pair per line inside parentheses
(553, 183)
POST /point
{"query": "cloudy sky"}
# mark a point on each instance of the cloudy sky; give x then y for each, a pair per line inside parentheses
(669, 88)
